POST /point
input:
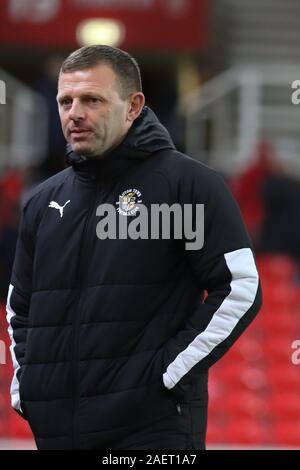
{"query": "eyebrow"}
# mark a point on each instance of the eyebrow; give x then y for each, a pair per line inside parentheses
(61, 97)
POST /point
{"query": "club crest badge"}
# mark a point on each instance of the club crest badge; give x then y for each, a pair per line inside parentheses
(128, 202)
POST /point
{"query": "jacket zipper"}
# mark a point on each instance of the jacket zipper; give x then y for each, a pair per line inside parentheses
(76, 331)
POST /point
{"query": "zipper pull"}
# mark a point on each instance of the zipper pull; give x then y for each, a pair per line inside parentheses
(178, 407)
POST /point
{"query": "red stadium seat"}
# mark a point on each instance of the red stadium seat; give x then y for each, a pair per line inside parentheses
(277, 267)
(278, 349)
(247, 349)
(286, 405)
(215, 432)
(241, 377)
(247, 404)
(284, 377)
(278, 321)
(248, 432)
(286, 433)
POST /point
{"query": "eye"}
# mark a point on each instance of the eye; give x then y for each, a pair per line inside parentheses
(65, 102)
(93, 99)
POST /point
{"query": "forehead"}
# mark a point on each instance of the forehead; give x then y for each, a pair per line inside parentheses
(100, 78)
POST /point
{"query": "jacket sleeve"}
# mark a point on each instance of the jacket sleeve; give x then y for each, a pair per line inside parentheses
(226, 269)
(17, 307)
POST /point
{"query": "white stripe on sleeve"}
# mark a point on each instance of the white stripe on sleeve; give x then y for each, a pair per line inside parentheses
(14, 389)
(244, 285)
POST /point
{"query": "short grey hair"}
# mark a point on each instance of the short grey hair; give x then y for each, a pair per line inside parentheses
(125, 67)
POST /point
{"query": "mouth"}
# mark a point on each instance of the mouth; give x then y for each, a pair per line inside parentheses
(80, 133)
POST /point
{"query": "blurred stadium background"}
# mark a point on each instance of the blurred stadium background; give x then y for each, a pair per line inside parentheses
(218, 73)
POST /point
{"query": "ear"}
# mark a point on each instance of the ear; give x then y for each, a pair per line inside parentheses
(135, 105)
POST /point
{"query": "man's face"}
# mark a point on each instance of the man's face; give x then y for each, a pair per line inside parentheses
(94, 117)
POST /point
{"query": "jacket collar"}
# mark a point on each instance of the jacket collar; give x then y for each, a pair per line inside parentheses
(146, 137)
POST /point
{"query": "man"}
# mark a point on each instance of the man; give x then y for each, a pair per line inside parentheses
(111, 337)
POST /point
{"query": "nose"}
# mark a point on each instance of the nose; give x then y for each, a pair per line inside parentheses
(76, 113)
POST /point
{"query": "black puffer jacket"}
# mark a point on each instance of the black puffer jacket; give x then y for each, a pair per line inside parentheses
(109, 335)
